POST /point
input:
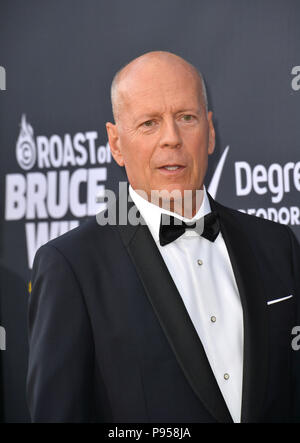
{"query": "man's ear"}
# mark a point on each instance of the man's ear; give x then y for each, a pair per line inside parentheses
(211, 133)
(114, 143)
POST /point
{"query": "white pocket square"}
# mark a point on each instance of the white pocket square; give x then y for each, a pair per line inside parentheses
(277, 300)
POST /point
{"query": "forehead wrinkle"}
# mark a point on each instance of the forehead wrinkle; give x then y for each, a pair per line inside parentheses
(162, 106)
(149, 67)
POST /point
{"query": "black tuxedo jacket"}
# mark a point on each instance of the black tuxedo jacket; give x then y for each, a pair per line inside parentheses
(111, 341)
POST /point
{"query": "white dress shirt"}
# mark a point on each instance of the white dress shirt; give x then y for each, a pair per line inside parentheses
(203, 275)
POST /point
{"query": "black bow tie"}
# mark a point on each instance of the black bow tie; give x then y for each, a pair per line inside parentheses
(171, 228)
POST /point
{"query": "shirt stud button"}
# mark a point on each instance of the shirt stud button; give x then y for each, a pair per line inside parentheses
(200, 262)
(213, 319)
(226, 376)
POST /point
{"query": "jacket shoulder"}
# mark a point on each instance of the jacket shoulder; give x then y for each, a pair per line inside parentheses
(83, 240)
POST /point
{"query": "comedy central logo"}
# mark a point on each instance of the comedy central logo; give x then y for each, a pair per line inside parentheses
(61, 177)
(26, 148)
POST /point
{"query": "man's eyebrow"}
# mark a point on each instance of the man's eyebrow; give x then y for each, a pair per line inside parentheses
(188, 110)
(148, 116)
(145, 117)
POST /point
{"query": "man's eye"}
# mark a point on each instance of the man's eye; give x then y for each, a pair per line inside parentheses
(187, 117)
(148, 123)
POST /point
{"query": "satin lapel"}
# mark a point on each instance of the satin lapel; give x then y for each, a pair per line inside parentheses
(251, 288)
(173, 317)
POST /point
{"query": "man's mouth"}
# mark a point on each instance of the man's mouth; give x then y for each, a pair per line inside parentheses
(171, 168)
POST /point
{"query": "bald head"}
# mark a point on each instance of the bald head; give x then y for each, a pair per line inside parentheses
(152, 63)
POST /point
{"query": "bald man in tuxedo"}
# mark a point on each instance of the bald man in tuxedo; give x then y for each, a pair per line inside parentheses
(188, 320)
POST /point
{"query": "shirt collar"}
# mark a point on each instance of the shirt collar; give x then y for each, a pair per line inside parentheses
(151, 213)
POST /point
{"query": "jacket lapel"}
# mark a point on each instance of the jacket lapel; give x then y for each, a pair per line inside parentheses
(173, 317)
(251, 289)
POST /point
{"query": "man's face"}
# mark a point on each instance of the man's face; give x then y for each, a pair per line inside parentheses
(162, 135)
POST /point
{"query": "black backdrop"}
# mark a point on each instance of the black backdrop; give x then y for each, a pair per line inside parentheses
(59, 58)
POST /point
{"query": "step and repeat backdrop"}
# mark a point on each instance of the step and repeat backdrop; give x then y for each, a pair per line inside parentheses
(57, 60)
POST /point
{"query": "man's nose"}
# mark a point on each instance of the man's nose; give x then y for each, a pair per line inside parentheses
(170, 135)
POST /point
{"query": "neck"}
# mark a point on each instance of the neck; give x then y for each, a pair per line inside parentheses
(186, 206)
